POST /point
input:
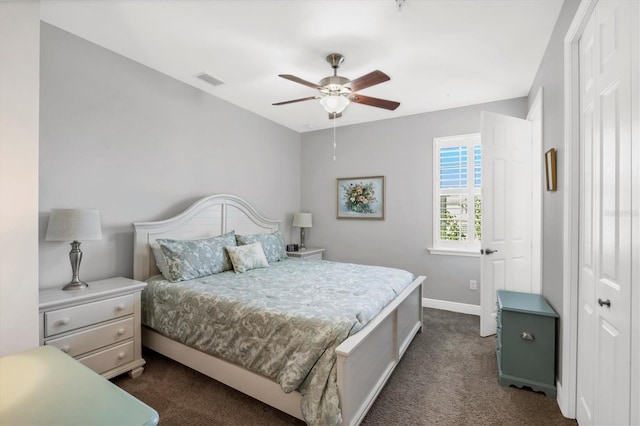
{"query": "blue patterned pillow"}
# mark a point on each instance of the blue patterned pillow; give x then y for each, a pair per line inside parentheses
(247, 257)
(189, 259)
(272, 244)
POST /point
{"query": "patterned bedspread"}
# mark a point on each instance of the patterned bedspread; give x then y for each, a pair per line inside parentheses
(283, 322)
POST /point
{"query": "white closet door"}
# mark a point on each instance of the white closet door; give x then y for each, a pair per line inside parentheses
(604, 289)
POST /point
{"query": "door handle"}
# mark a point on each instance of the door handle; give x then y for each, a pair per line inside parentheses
(604, 302)
(487, 251)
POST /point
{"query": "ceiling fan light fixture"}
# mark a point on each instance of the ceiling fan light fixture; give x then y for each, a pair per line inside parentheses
(336, 92)
(334, 104)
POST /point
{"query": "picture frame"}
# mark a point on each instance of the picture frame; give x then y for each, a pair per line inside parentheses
(550, 169)
(360, 198)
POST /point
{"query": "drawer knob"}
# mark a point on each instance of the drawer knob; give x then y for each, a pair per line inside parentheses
(66, 349)
(120, 307)
(121, 355)
(525, 335)
(120, 331)
(606, 303)
(64, 321)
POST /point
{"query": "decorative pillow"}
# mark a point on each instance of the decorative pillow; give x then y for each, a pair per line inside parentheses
(247, 257)
(189, 259)
(272, 244)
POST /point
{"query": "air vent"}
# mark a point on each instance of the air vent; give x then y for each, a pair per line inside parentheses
(209, 79)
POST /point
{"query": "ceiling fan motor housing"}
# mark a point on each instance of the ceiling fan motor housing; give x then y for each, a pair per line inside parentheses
(334, 83)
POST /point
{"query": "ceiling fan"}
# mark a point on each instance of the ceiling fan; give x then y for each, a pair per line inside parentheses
(337, 92)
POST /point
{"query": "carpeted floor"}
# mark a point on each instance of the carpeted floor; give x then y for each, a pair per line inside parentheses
(448, 376)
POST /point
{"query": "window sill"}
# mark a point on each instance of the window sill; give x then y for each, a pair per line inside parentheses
(454, 252)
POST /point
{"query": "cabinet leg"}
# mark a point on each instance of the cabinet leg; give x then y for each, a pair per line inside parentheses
(136, 372)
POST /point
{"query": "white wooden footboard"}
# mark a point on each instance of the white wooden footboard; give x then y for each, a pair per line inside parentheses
(367, 359)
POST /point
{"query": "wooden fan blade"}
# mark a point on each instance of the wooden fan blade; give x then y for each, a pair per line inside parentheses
(297, 100)
(375, 102)
(368, 80)
(299, 80)
(332, 115)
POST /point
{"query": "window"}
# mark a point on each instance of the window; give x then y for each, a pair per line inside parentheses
(457, 177)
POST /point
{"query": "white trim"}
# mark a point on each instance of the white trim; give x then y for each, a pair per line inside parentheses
(569, 322)
(536, 116)
(445, 305)
(454, 252)
(635, 272)
(560, 395)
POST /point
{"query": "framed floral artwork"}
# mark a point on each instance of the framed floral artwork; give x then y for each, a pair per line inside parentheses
(360, 198)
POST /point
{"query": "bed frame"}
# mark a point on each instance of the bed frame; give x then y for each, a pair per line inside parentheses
(364, 361)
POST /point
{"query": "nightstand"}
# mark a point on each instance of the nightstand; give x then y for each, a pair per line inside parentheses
(525, 341)
(310, 253)
(99, 326)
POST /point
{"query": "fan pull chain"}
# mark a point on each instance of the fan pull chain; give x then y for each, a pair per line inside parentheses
(334, 137)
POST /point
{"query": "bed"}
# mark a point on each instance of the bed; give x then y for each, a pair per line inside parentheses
(363, 361)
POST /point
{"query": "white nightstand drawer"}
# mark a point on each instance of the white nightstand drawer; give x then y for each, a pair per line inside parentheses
(316, 256)
(90, 313)
(95, 338)
(109, 359)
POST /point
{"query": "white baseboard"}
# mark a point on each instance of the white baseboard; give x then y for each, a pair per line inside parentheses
(562, 402)
(445, 305)
(560, 398)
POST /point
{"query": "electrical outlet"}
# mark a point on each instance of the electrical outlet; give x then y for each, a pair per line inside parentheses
(473, 285)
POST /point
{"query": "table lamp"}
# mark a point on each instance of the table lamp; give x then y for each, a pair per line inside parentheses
(302, 220)
(73, 225)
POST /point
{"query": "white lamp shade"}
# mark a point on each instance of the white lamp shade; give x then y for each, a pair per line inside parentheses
(302, 220)
(334, 103)
(74, 225)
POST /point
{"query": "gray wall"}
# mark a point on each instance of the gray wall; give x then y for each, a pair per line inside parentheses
(138, 145)
(401, 150)
(550, 78)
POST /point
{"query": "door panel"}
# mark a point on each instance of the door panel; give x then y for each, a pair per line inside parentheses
(498, 213)
(506, 211)
(604, 287)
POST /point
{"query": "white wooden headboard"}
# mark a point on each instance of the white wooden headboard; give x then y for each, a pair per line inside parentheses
(208, 217)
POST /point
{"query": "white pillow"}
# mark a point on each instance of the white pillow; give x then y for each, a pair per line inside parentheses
(247, 257)
(161, 262)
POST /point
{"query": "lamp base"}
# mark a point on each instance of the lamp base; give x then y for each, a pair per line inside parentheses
(302, 246)
(79, 285)
(75, 256)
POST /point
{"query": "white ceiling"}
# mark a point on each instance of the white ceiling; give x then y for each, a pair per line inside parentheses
(439, 54)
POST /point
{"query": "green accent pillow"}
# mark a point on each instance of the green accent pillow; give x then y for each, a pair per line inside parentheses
(247, 257)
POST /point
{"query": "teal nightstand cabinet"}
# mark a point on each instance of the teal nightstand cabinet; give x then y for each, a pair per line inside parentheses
(526, 341)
